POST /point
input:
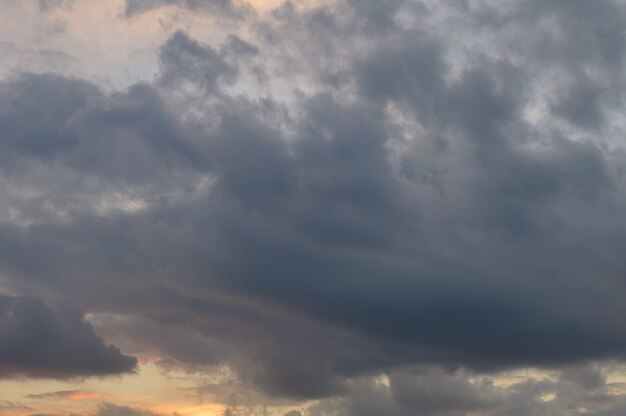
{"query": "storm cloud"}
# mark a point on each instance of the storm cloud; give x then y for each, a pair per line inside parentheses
(37, 342)
(377, 206)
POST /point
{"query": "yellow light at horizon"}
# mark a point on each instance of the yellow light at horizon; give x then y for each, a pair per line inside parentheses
(184, 409)
(148, 389)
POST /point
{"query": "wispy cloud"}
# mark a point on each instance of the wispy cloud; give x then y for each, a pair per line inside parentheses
(74, 395)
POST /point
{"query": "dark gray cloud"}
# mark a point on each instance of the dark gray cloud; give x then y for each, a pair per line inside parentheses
(185, 60)
(37, 342)
(50, 100)
(400, 197)
(580, 104)
(432, 391)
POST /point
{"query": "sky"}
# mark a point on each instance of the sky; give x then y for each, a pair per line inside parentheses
(312, 208)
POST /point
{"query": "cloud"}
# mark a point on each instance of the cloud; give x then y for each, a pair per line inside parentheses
(433, 391)
(7, 407)
(313, 209)
(135, 7)
(37, 342)
(46, 5)
(185, 60)
(110, 409)
(30, 93)
(66, 395)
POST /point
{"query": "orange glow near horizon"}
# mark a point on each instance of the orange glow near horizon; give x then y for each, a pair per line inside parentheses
(84, 395)
(148, 389)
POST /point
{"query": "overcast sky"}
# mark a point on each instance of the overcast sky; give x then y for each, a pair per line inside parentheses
(312, 208)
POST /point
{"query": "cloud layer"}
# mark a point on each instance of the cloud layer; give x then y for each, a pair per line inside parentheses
(431, 193)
